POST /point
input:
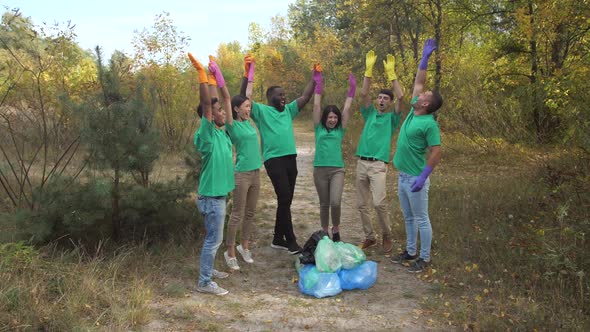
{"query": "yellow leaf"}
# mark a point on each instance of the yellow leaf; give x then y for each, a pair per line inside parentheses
(478, 298)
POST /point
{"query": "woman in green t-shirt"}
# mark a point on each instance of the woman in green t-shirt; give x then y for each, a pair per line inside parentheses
(328, 171)
(248, 162)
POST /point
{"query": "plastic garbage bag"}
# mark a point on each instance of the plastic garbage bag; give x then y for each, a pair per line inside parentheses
(361, 277)
(327, 258)
(351, 256)
(318, 284)
(307, 254)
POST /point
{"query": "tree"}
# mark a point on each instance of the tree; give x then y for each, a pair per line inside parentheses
(117, 131)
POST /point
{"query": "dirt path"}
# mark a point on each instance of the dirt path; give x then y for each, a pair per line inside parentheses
(265, 297)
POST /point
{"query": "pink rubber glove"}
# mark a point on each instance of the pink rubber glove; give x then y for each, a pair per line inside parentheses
(352, 85)
(214, 69)
(251, 72)
(317, 77)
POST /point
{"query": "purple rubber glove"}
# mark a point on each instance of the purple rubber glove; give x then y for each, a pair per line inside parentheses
(429, 47)
(214, 69)
(251, 72)
(352, 85)
(419, 182)
(317, 77)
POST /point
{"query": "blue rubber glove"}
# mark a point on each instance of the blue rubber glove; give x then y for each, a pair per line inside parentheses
(419, 182)
(429, 47)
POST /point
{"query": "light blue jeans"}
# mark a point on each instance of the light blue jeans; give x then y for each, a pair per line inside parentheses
(414, 206)
(213, 211)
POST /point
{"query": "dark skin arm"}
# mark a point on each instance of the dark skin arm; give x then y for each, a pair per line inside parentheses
(307, 94)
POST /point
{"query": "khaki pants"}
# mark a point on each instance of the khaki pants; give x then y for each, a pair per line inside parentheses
(245, 197)
(371, 186)
(329, 182)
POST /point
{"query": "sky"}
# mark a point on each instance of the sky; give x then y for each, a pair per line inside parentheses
(111, 23)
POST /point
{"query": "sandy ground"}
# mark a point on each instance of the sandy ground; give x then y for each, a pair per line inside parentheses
(264, 296)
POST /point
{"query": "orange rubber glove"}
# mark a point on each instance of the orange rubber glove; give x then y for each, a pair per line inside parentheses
(199, 67)
(248, 59)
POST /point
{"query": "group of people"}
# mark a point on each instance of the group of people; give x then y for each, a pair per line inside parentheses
(227, 121)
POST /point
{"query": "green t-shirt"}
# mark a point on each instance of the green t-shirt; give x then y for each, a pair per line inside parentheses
(276, 129)
(243, 135)
(328, 146)
(415, 136)
(376, 137)
(217, 175)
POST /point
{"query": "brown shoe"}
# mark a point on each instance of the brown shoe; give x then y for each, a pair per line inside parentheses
(387, 244)
(367, 243)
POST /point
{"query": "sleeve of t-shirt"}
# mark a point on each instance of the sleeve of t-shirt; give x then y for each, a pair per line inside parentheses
(432, 135)
(366, 111)
(255, 111)
(293, 108)
(203, 136)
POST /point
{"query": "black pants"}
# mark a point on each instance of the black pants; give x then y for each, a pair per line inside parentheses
(282, 172)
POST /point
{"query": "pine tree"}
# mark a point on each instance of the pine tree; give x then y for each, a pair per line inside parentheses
(118, 131)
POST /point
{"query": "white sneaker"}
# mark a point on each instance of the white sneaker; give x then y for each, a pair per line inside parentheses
(212, 288)
(246, 254)
(232, 262)
(219, 274)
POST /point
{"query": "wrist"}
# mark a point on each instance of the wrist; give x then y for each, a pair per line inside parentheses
(423, 63)
(426, 171)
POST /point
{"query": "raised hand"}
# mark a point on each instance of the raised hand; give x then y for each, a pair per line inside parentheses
(317, 78)
(214, 69)
(370, 60)
(429, 47)
(199, 67)
(389, 66)
(351, 85)
(248, 59)
(251, 70)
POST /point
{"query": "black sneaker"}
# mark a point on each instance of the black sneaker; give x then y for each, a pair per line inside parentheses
(279, 244)
(336, 237)
(418, 266)
(403, 257)
(294, 248)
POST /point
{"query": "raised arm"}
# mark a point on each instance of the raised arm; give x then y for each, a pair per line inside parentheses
(389, 66)
(429, 47)
(369, 62)
(204, 97)
(250, 79)
(216, 72)
(349, 98)
(248, 59)
(317, 99)
(307, 93)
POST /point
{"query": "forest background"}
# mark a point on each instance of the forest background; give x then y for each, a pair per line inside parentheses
(81, 136)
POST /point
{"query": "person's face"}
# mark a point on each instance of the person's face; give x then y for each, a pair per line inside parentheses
(383, 102)
(423, 100)
(332, 120)
(218, 114)
(244, 110)
(277, 99)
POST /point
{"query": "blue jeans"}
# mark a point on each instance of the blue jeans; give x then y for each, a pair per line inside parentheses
(415, 209)
(213, 211)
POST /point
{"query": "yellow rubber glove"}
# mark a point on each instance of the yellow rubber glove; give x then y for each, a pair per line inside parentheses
(389, 66)
(199, 67)
(370, 62)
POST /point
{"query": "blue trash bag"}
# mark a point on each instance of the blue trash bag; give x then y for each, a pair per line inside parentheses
(327, 257)
(318, 284)
(361, 277)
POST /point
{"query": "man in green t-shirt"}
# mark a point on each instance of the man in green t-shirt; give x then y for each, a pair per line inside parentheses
(275, 124)
(419, 136)
(374, 149)
(215, 181)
